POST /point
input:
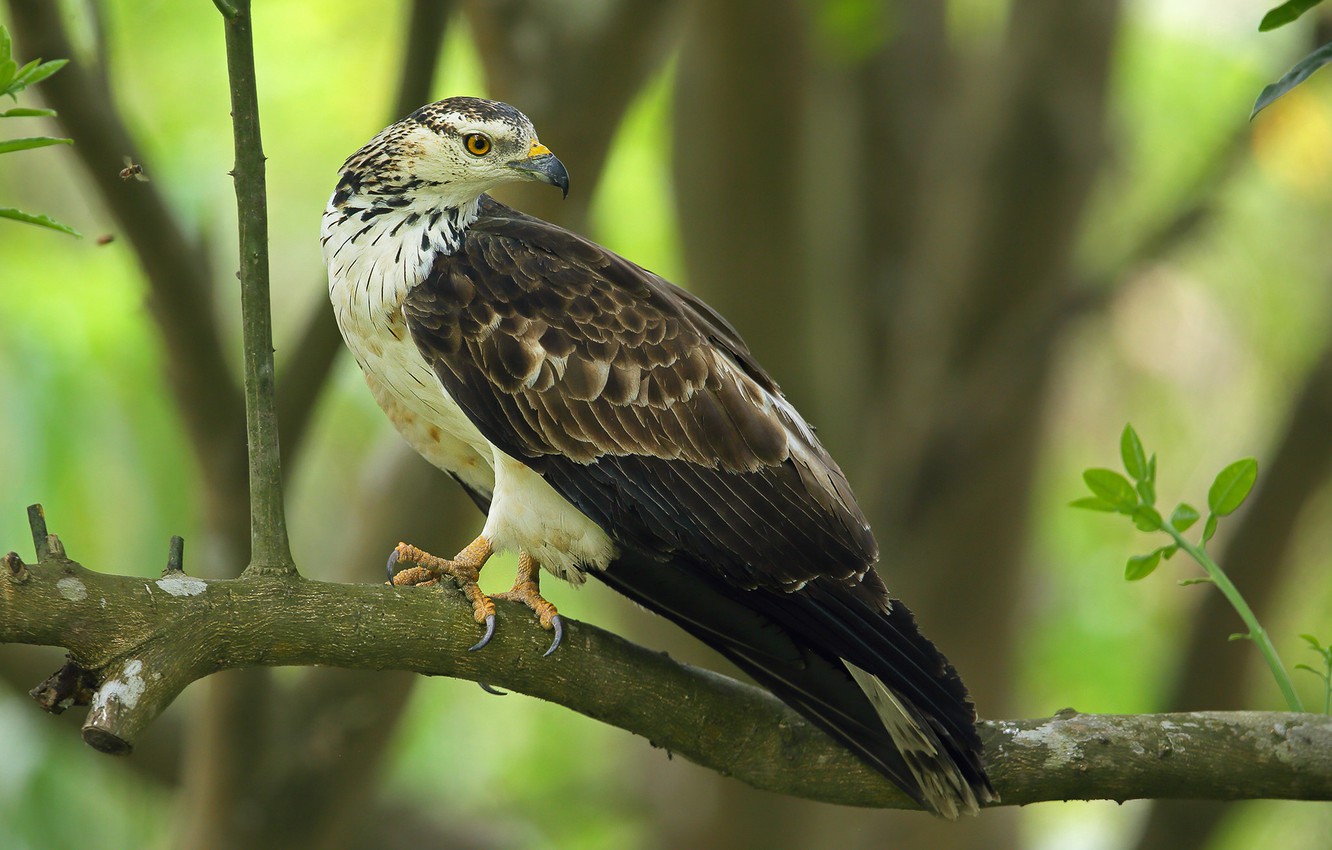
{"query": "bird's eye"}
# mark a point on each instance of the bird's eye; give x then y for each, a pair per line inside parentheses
(477, 144)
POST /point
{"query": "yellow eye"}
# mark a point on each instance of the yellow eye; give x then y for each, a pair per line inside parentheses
(477, 144)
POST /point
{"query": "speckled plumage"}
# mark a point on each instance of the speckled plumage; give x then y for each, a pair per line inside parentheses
(615, 425)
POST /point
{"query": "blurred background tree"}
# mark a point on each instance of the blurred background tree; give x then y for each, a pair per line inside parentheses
(971, 239)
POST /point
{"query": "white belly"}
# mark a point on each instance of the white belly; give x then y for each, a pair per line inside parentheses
(525, 512)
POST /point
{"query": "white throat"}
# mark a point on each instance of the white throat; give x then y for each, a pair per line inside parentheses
(378, 247)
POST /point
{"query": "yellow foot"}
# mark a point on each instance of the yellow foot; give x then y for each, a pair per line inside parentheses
(464, 569)
(527, 590)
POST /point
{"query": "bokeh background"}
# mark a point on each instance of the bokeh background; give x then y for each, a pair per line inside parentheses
(970, 238)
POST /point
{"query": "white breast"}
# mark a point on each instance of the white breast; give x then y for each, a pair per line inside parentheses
(372, 265)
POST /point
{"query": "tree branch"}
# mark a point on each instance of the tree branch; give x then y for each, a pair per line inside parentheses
(269, 550)
(142, 642)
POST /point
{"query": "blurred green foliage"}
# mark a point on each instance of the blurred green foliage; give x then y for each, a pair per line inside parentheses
(1202, 350)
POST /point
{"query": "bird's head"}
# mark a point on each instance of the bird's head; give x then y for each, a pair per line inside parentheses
(455, 150)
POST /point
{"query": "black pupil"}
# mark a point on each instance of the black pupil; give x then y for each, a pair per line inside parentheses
(478, 144)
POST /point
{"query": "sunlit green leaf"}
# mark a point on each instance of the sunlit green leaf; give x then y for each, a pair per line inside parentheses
(8, 68)
(1293, 78)
(27, 112)
(1232, 486)
(6, 45)
(1133, 454)
(1286, 13)
(11, 145)
(1112, 487)
(1092, 503)
(1168, 552)
(1184, 516)
(1147, 518)
(40, 220)
(1141, 566)
(36, 71)
(1147, 490)
(1318, 673)
(1209, 528)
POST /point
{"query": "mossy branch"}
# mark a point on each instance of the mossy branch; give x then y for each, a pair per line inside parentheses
(135, 644)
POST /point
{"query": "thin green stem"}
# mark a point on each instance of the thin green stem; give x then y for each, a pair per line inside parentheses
(1256, 632)
(270, 552)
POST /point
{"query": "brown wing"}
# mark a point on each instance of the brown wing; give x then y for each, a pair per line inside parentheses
(637, 403)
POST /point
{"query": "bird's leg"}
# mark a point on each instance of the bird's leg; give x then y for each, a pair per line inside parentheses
(527, 590)
(464, 568)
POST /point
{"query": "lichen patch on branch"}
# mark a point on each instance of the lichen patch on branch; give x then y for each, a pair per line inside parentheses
(72, 589)
(126, 690)
(182, 585)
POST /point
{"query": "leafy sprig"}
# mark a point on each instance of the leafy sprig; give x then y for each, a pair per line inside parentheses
(1325, 652)
(14, 79)
(1279, 16)
(1135, 497)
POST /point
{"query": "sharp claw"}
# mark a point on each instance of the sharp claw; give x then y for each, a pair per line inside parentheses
(392, 562)
(490, 632)
(488, 689)
(558, 625)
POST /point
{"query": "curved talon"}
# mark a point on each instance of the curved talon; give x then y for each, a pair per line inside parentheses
(392, 562)
(488, 689)
(490, 632)
(558, 625)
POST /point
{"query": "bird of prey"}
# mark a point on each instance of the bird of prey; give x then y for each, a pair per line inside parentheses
(612, 425)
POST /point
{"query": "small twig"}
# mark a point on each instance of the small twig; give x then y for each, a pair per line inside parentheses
(1256, 632)
(270, 552)
(175, 556)
(40, 542)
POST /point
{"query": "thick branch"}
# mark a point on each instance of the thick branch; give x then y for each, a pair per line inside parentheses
(145, 641)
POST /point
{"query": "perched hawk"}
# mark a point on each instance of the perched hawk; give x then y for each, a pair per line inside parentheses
(611, 424)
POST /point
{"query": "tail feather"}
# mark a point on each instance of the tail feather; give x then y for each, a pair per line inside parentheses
(866, 677)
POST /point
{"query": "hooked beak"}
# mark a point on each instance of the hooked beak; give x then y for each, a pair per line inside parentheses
(542, 165)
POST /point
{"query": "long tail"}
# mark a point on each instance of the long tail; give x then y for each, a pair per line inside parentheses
(868, 678)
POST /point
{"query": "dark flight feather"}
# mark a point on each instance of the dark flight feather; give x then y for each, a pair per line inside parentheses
(643, 408)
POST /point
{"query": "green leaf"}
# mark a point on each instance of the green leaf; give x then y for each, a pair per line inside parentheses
(1147, 518)
(1239, 636)
(1147, 490)
(40, 220)
(1151, 469)
(1185, 582)
(43, 70)
(8, 68)
(1141, 566)
(1184, 516)
(1135, 458)
(1209, 528)
(24, 112)
(1168, 552)
(1319, 673)
(11, 145)
(1112, 487)
(1091, 503)
(1313, 641)
(1296, 75)
(1286, 13)
(6, 45)
(1232, 486)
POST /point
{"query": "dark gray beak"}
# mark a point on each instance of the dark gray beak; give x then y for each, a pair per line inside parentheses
(546, 168)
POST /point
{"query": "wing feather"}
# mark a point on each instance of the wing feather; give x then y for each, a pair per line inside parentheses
(623, 391)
